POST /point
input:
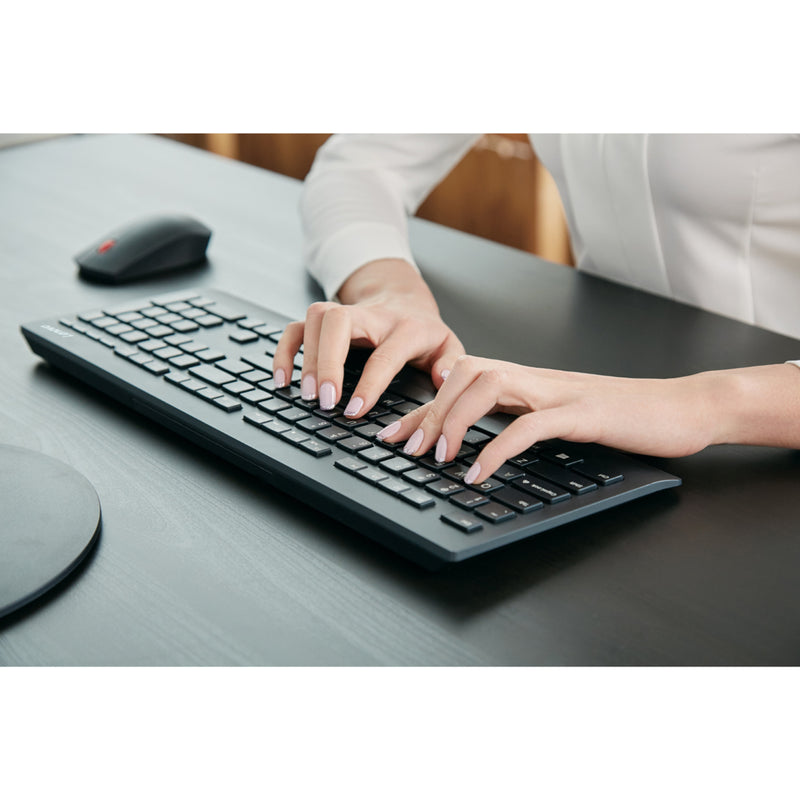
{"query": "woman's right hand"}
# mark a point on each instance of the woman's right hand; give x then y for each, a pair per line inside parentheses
(385, 305)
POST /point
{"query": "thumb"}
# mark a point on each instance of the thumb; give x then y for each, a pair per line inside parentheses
(450, 351)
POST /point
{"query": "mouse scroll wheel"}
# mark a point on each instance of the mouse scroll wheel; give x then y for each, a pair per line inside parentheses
(106, 245)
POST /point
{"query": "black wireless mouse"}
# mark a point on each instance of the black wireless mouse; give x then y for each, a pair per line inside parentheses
(145, 248)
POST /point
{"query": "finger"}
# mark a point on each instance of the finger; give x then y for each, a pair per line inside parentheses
(477, 400)
(334, 343)
(314, 316)
(402, 428)
(535, 426)
(388, 358)
(450, 352)
(283, 360)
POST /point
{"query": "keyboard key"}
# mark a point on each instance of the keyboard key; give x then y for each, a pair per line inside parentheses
(208, 321)
(456, 472)
(276, 427)
(228, 403)
(331, 434)
(134, 337)
(518, 501)
(212, 375)
(273, 405)
(564, 457)
(233, 365)
(156, 367)
(601, 472)
(420, 476)
(397, 465)
(192, 385)
(417, 498)
(469, 499)
(191, 346)
(165, 352)
(316, 448)
(254, 376)
(464, 522)
(353, 444)
(372, 475)
(375, 454)
(394, 486)
(210, 356)
(312, 424)
(256, 418)
(564, 478)
(444, 487)
(176, 377)
(209, 393)
(160, 331)
(489, 485)
(476, 437)
(237, 387)
(184, 361)
(262, 362)
(243, 337)
(548, 492)
(294, 437)
(525, 458)
(177, 339)
(350, 464)
(149, 345)
(494, 512)
(185, 326)
(118, 330)
(508, 472)
(293, 414)
(254, 396)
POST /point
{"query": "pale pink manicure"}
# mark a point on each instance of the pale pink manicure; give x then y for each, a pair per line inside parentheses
(353, 407)
(308, 388)
(327, 396)
(445, 373)
(389, 430)
(280, 378)
(472, 473)
(441, 448)
(412, 445)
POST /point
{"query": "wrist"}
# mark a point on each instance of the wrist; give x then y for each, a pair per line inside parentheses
(757, 405)
(385, 278)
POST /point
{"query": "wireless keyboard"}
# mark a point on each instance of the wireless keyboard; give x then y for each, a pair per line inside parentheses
(200, 362)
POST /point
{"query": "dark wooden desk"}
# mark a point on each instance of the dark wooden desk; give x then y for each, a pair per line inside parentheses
(199, 563)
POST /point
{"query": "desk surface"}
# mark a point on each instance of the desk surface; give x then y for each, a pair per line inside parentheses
(199, 563)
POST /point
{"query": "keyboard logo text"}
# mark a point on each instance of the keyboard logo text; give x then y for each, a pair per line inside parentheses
(57, 331)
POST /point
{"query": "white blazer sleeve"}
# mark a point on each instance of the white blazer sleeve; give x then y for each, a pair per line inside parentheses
(360, 192)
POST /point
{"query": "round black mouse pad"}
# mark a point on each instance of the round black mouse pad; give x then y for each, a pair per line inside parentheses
(49, 520)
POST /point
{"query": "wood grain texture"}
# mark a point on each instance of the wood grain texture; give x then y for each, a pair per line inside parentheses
(200, 564)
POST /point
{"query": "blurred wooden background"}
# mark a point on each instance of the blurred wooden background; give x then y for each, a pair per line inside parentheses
(499, 190)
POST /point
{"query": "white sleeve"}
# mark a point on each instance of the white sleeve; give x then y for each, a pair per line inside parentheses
(360, 192)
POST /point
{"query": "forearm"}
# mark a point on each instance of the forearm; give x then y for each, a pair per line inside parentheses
(757, 405)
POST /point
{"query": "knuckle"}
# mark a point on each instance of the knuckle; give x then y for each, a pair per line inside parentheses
(494, 376)
(317, 309)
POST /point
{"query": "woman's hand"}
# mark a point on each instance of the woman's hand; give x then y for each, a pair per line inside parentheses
(662, 417)
(386, 305)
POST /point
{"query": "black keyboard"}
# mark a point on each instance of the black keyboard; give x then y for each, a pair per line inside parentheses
(200, 362)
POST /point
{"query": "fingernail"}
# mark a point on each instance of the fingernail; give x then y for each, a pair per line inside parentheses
(389, 430)
(353, 407)
(445, 373)
(412, 445)
(327, 396)
(308, 388)
(279, 377)
(441, 448)
(472, 473)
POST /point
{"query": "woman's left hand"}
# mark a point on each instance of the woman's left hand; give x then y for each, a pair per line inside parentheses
(662, 417)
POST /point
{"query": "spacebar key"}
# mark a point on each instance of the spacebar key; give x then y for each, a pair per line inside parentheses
(212, 375)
